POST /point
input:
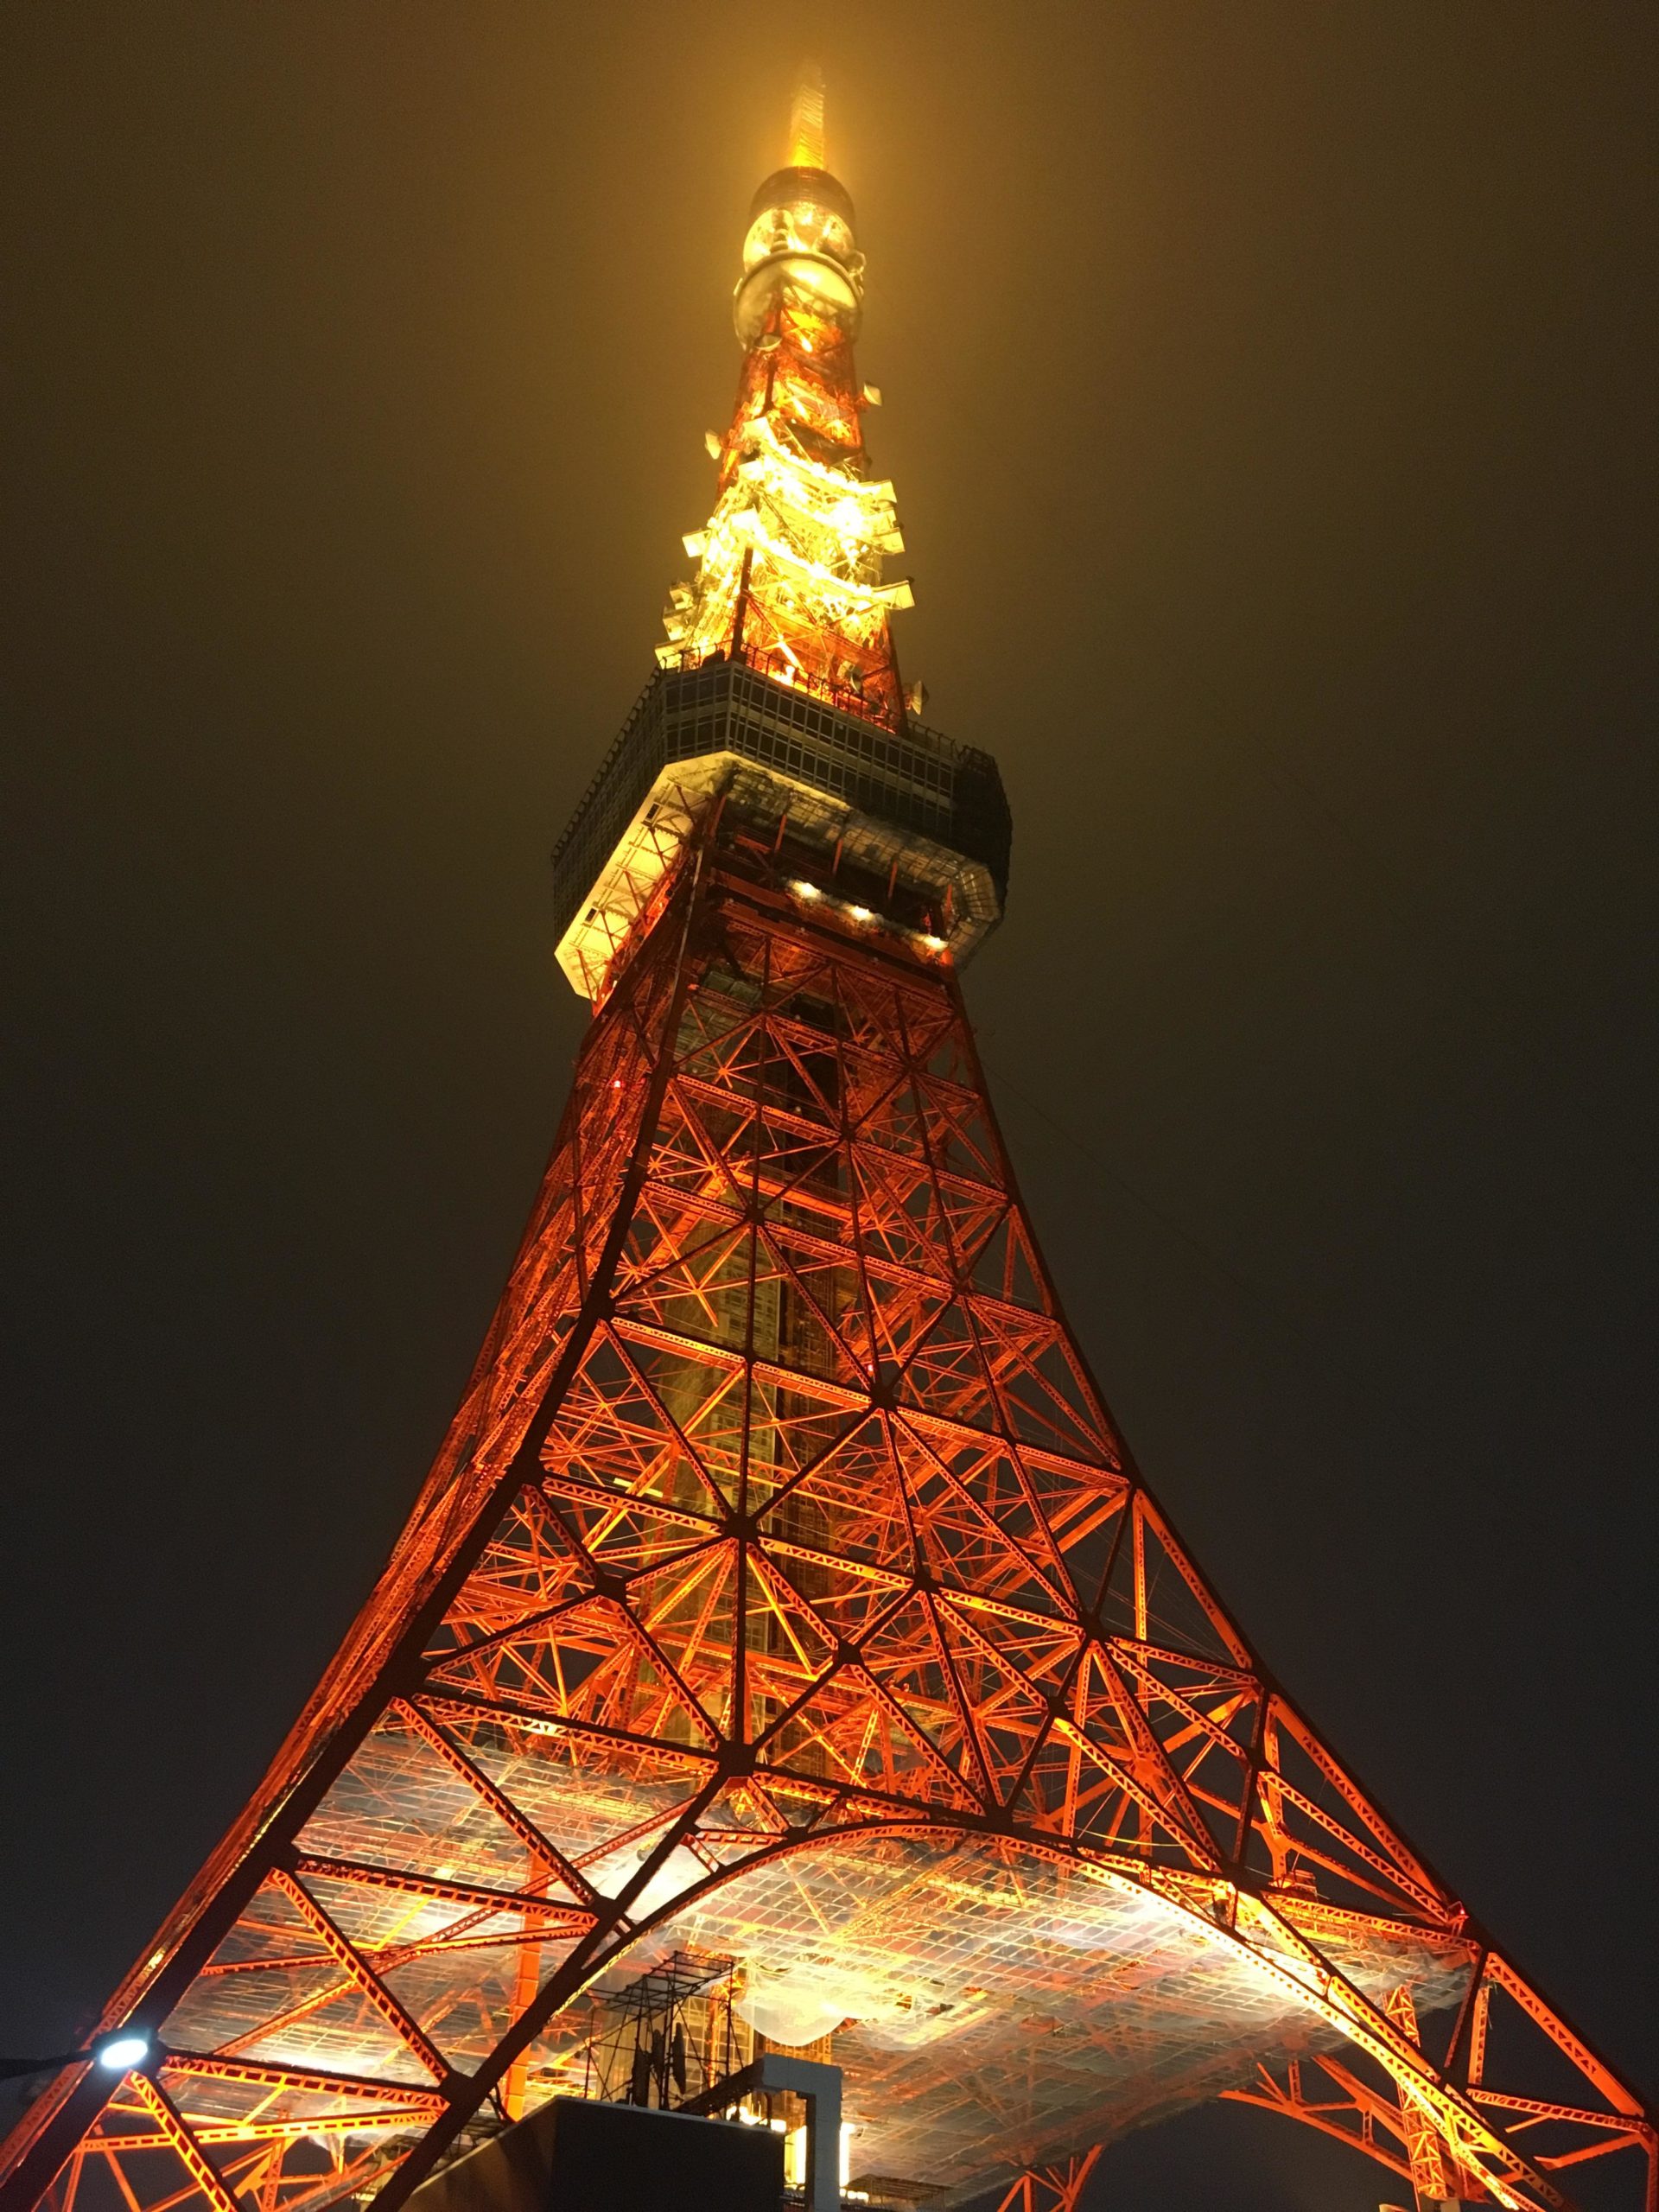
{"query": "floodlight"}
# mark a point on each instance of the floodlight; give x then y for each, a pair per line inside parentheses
(122, 2051)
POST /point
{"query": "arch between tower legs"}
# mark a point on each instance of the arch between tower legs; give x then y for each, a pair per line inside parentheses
(968, 1972)
(964, 1973)
(978, 1972)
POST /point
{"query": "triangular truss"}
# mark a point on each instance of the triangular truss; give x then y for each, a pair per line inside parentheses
(786, 1590)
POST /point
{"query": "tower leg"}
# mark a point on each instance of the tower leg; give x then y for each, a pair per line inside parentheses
(1431, 2181)
(1051, 2189)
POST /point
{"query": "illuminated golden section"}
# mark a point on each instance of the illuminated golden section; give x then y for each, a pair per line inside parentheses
(806, 141)
(790, 568)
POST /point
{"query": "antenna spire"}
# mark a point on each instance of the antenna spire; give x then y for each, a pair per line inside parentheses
(806, 146)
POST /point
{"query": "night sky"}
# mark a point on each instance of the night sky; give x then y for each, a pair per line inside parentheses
(1268, 389)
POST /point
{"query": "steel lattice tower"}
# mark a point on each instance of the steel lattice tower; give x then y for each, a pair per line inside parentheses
(783, 1616)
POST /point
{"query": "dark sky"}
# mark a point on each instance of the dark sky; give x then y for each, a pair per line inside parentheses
(1269, 393)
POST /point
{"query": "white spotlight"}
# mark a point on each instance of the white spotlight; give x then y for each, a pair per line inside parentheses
(125, 2049)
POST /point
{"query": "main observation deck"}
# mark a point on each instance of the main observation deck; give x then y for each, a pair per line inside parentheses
(918, 821)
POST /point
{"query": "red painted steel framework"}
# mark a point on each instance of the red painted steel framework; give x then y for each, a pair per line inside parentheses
(784, 1598)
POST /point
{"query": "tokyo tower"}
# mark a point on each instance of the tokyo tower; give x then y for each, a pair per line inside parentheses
(784, 1652)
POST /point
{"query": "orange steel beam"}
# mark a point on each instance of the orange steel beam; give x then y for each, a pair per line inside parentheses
(1052, 2188)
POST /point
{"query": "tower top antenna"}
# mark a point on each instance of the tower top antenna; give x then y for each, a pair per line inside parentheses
(806, 142)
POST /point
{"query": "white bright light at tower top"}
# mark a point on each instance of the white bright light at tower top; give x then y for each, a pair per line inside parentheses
(806, 138)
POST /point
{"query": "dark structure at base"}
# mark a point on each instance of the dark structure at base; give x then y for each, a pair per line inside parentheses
(573, 2156)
